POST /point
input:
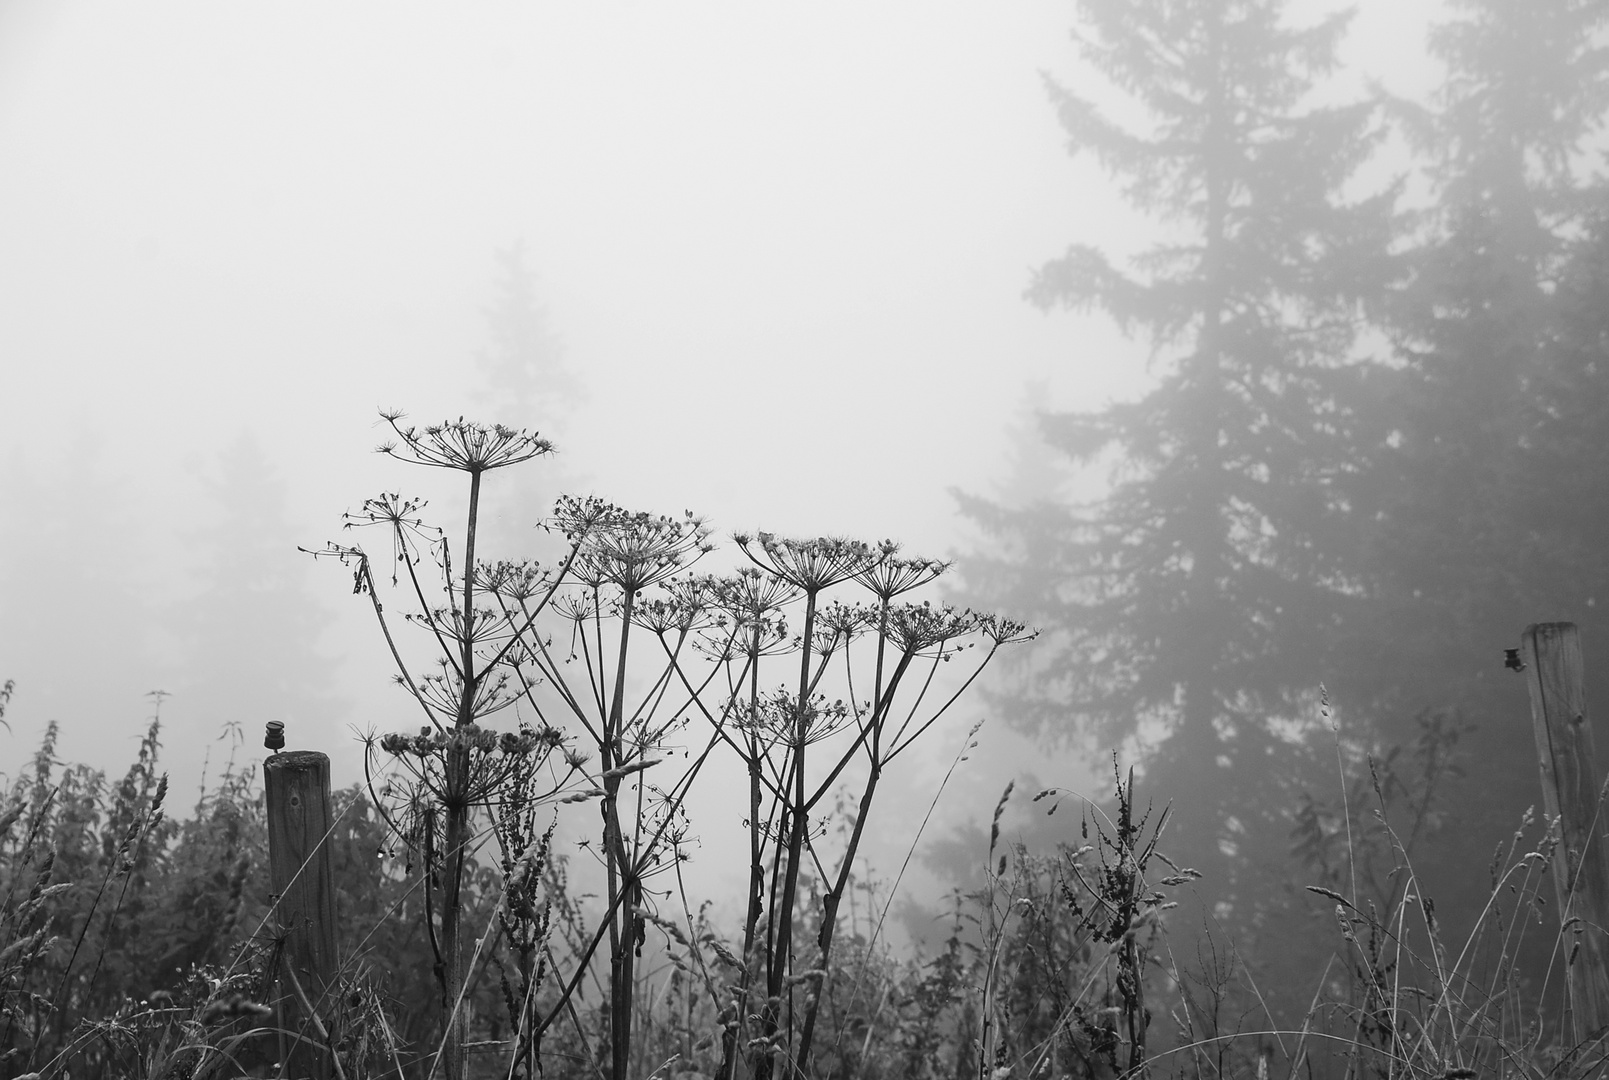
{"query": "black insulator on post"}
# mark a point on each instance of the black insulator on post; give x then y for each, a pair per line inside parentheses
(275, 738)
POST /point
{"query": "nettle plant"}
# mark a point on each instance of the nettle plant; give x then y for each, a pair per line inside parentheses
(807, 663)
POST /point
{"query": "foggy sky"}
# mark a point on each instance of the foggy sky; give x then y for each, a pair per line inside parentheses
(784, 248)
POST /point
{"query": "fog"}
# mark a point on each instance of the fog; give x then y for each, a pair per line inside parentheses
(782, 252)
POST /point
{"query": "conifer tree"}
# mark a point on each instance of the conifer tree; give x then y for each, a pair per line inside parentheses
(1523, 87)
(1472, 542)
(524, 377)
(1566, 476)
(251, 627)
(523, 365)
(1190, 605)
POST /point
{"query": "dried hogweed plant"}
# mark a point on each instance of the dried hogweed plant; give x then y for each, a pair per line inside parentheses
(457, 767)
(800, 743)
(630, 671)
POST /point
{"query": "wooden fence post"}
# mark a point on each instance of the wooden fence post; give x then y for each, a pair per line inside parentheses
(1571, 793)
(297, 786)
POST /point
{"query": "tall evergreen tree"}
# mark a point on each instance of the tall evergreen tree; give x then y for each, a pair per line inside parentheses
(1524, 85)
(1469, 546)
(1566, 476)
(1189, 607)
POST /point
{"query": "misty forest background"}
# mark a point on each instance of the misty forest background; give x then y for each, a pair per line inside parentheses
(1362, 447)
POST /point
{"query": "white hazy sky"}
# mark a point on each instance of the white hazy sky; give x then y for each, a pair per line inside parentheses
(785, 246)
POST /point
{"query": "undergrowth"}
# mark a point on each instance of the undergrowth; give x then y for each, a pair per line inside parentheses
(135, 944)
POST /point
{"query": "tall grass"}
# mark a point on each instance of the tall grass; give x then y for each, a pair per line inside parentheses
(115, 920)
(135, 945)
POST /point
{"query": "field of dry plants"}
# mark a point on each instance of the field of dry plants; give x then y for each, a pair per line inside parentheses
(137, 941)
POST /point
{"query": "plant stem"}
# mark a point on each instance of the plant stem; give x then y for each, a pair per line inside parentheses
(456, 800)
(751, 922)
(623, 883)
(829, 915)
(781, 957)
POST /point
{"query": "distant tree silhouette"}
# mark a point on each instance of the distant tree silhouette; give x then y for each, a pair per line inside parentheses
(78, 608)
(1567, 496)
(1190, 606)
(249, 627)
(1521, 92)
(523, 366)
(1495, 410)
(526, 383)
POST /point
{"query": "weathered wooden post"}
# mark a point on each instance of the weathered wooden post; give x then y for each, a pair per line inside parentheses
(297, 787)
(1571, 793)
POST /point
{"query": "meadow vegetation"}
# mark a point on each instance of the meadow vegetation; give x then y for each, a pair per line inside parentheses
(134, 944)
(595, 688)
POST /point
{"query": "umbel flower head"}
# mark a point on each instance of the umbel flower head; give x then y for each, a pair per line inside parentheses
(891, 575)
(777, 716)
(516, 582)
(751, 593)
(813, 564)
(574, 517)
(462, 444)
(684, 608)
(916, 628)
(633, 551)
(841, 623)
(494, 757)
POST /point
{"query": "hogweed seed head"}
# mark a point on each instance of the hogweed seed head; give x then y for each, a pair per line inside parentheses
(915, 628)
(683, 610)
(635, 550)
(845, 622)
(752, 593)
(1004, 631)
(514, 581)
(777, 716)
(891, 575)
(578, 607)
(809, 564)
(576, 516)
(462, 444)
